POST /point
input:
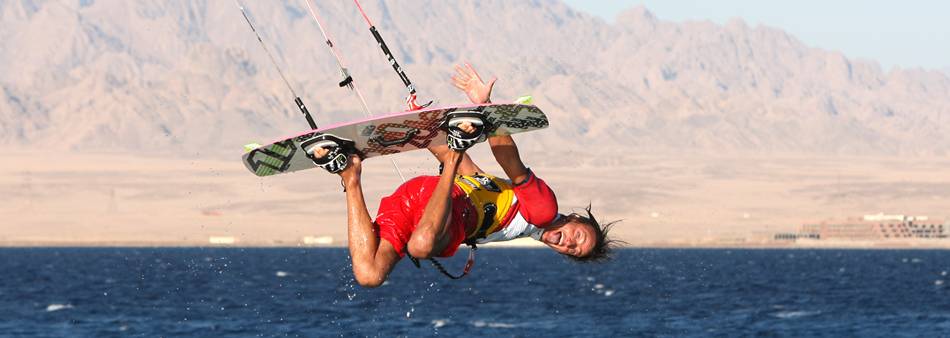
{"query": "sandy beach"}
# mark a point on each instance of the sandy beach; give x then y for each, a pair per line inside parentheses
(121, 199)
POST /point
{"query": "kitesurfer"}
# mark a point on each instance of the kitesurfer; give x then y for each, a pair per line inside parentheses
(431, 216)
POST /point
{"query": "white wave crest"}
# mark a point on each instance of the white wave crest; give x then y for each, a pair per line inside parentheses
(794, 314)
(57, 307)
(481, 323)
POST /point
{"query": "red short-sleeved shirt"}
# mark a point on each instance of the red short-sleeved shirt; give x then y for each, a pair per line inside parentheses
(400, 212)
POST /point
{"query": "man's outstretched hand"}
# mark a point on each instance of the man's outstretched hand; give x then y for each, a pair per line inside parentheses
(467, 80)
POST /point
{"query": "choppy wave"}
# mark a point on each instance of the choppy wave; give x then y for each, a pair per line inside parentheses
(794, 314)
(494, 325)
(58, 307)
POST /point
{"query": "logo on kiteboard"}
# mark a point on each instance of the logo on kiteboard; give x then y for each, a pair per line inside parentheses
(272, 159)
(388, 138)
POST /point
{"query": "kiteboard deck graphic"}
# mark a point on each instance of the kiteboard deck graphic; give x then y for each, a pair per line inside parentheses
(390, 134)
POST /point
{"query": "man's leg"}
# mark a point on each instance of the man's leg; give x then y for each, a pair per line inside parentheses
(466, 168)
(372, 258)
(433, 234)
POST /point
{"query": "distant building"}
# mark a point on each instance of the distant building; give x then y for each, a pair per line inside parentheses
(881, 217)
(913, 230)
(842, 230)
(318, 240)
(787, 236)
(222, 240)
(873, 227)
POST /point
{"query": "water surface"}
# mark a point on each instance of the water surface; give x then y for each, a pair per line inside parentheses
(57, 292)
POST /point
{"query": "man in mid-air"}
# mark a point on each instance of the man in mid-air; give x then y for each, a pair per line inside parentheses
(431, 216)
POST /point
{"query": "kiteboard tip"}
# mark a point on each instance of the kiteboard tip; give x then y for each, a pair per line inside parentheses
(251, 146)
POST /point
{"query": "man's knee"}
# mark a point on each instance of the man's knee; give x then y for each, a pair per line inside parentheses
(368, 278)
(421, 246)
(427, 245)
(370, 282)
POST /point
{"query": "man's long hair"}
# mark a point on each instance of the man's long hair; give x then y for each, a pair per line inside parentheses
(605, 245)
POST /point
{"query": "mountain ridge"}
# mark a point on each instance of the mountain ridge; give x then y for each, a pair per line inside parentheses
(136, 77)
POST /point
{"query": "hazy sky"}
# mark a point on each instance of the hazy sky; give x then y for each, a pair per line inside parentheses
(909, 33)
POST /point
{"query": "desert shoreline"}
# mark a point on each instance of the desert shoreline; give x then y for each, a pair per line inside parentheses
(672, 201)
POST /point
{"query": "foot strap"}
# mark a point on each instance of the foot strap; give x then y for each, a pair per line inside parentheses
(460, 140)
(337, 157)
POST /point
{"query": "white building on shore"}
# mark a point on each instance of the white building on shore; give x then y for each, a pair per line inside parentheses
(317, 240)
(222, 240)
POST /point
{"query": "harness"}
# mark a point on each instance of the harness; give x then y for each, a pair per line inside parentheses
(492, 198)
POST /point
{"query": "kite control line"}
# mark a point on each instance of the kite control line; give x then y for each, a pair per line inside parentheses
(297, 100)
(411, 99)
(347, 78)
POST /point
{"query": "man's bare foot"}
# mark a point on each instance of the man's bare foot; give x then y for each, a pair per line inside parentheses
(320, 152)
(326, 154)
(467, 127)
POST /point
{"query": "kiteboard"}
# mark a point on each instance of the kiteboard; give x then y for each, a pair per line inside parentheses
(390, 134)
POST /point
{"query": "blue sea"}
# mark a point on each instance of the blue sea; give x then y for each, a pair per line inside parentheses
(195, 292)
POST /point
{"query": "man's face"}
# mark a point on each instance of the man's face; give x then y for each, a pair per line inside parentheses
(571, 238)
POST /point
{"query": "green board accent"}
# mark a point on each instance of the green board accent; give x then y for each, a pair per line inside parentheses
(251, 146)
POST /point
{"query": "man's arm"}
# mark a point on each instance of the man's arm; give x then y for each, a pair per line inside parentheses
(506, 153)
(372, 258)
(468, 81)
(503, 148)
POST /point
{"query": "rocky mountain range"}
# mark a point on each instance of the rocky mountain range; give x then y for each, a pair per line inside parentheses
(188, 77)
